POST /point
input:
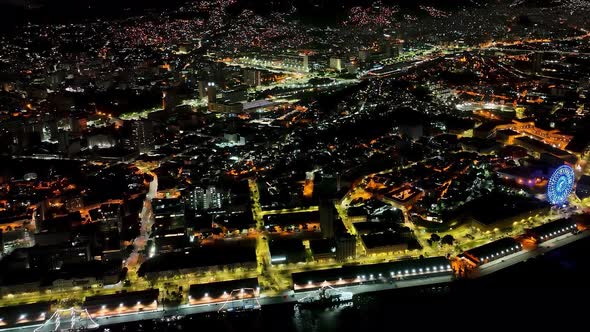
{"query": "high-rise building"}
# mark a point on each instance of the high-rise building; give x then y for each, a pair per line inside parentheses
(336, 63)
(235, 95)
(143, 135)
(351, 67)
(169, 100)
(537, 62)
(213, 198)
(78, 125)
(327, 217)
(327, 185)
(305, 62)
(108, 216)
(211, 94)
(216, 73)
(50, 129)
(393, 49)
(364, 55)
(63, 141)
(296, 62)
(54, 78)
(197, 199)
(345, 247)
(252, 77)
(201, 199)
(202, 88)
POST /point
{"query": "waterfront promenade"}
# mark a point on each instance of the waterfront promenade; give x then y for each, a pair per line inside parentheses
(291, 297)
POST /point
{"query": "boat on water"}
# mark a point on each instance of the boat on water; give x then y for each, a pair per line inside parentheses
(240, 306)
(325, 297)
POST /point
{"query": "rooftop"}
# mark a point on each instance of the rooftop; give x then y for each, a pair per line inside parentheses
(382, 239)
(398, 268)
(494, 249)
(559, 226)
(127, 298)
(216, 289)
(495, 207)
(199, 258)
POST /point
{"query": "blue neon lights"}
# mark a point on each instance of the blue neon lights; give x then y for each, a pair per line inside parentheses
(560, 185)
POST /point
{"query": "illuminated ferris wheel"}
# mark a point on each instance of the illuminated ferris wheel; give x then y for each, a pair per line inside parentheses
(560, 185)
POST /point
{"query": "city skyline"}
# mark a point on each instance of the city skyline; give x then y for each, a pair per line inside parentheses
(163, 161)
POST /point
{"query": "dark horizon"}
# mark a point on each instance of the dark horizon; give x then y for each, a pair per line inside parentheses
(63, 11)
(307, 165)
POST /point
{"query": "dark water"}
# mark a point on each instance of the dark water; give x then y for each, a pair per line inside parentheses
(547, 293)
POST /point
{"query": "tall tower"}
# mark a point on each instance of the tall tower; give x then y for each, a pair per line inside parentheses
(537, 62)
(327, 218)
(143, 135)
(252, 77)
(211, 94)
(197, 199)
(345, 247)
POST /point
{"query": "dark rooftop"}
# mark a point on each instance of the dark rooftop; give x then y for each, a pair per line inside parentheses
(496, 207)
(322, 246)
(30, 313)
(559, 226)
(507, 132)
(199, 257)
(216, 289)
(494, 249)
(542, 146)
(148, 295)
(382, 239)
(284, 246)
(375, 227)
(386, 269)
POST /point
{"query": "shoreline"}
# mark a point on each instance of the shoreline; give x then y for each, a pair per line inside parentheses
(290, 297)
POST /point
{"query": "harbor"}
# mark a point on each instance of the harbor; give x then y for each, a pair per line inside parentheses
(292, 298)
